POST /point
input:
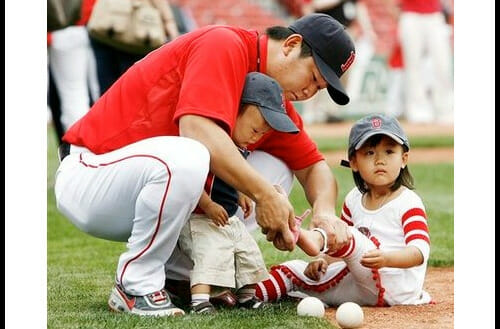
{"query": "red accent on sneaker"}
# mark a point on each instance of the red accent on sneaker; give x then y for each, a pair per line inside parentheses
(130, 302)
(158, 296)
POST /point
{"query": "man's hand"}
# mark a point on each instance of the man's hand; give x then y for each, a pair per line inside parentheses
(336, 230)
(275, 216)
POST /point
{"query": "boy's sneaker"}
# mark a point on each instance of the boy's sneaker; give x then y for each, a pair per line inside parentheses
(253, 304)
(225, 298)
(155, 304)
(203, 308)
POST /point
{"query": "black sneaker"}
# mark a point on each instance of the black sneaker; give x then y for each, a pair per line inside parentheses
(253, 304)
(203, 308)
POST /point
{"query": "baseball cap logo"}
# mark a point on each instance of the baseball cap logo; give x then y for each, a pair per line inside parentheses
(376, 123)
(348, 62)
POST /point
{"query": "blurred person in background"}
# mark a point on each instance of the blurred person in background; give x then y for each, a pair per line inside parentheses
(113, 62)
(424, 35)
(72, 81)
(353, 14)
(395, 85)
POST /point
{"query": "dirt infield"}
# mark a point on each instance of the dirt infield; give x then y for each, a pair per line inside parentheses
(439, 284)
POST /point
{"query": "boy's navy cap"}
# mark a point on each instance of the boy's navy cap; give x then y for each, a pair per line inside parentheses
(266, 93)
(332, 48)
(373, 125)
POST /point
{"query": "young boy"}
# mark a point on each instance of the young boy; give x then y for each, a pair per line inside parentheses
(223, 252)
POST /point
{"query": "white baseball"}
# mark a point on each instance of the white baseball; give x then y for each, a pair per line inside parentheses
(311, 306)
(349, 315)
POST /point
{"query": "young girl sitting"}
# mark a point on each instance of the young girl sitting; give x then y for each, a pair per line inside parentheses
(386, 260)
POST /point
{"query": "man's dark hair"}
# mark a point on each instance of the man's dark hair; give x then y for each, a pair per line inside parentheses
(281, 33)
(404, 178)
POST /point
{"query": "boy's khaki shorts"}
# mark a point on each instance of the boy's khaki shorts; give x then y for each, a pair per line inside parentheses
(226, 256)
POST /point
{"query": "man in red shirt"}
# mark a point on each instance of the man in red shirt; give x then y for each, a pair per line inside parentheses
(134, 167)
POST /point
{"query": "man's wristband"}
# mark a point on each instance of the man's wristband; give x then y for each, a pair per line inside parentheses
(325, 239)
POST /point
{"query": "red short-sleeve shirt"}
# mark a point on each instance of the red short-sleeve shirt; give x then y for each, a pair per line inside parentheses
(201, 73)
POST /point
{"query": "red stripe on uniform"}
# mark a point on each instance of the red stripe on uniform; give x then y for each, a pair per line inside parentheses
(346, 210)
(375, 241)
(346, 250)
(417, 225)
(318, 288)
(157, 227)
(348, 213)
(352, 246)
(346, 220)
(280, 282)
(413, 212)
(417, 236)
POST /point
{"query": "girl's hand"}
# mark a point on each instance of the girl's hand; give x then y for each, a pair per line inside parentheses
(374, 259)
(316, 269)
(217, 214)
(245, 203)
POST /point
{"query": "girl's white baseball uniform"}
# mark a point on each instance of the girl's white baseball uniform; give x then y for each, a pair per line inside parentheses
(399, 223)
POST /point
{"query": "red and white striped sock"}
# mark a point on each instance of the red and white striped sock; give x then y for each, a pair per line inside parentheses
(275, 287)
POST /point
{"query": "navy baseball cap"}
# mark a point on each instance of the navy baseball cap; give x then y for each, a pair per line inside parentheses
(332, 48)
(374, 125)
(265, 92)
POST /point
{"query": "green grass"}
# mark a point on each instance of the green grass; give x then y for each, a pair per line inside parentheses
(80, 268)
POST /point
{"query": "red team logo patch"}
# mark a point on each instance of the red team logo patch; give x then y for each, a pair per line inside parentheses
(376, 123)
(348, 62)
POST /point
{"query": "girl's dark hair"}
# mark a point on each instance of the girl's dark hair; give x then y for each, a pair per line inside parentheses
(281, 33)
(404, 178)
